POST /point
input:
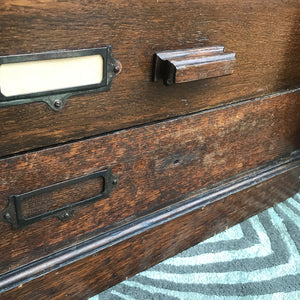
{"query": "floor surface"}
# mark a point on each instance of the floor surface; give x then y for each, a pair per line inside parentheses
(257, 259)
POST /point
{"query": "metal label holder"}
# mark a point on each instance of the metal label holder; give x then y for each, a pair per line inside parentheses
(13, 212)
(56, 99)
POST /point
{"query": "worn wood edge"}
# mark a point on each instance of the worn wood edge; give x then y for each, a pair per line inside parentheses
(206, 196)
(171, 54)
(169, 119)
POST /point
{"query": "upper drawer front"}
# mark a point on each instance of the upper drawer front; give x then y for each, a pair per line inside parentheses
(155, 165)
(263, 34)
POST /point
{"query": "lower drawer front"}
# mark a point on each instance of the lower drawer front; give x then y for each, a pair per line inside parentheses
(110, 258)
(153, 165)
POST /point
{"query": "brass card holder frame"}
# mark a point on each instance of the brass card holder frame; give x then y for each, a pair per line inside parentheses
(14, 215)
(56, 99)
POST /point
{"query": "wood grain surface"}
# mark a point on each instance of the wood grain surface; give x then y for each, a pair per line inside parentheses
(100, 270)
(156, 165)
(263, 34)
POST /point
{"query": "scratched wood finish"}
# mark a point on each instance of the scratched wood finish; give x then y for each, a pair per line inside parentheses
(156, 165)
(263, 34)
(95, 273)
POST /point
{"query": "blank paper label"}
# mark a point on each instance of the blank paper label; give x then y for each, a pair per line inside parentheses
(48, 75)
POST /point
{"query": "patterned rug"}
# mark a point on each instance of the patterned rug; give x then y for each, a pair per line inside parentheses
(257, 259)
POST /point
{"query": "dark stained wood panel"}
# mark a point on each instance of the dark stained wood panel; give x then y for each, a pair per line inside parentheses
(263, 34)
(100, 270)
(156, 165)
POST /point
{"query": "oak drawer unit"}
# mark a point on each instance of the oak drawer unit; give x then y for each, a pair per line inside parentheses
(132, 131)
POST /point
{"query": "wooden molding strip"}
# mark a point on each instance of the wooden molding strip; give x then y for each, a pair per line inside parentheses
(204, 197)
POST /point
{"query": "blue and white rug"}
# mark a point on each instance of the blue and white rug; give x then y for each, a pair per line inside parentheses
(257, 259)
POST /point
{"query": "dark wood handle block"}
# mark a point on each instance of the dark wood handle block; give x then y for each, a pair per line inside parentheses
(192, 64)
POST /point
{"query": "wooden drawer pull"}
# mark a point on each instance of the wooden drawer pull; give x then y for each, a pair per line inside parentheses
(177, 66)
(57, 200)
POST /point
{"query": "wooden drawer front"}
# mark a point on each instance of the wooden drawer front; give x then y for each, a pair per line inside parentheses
(262, 34)
(155, 165)
(149, 241)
